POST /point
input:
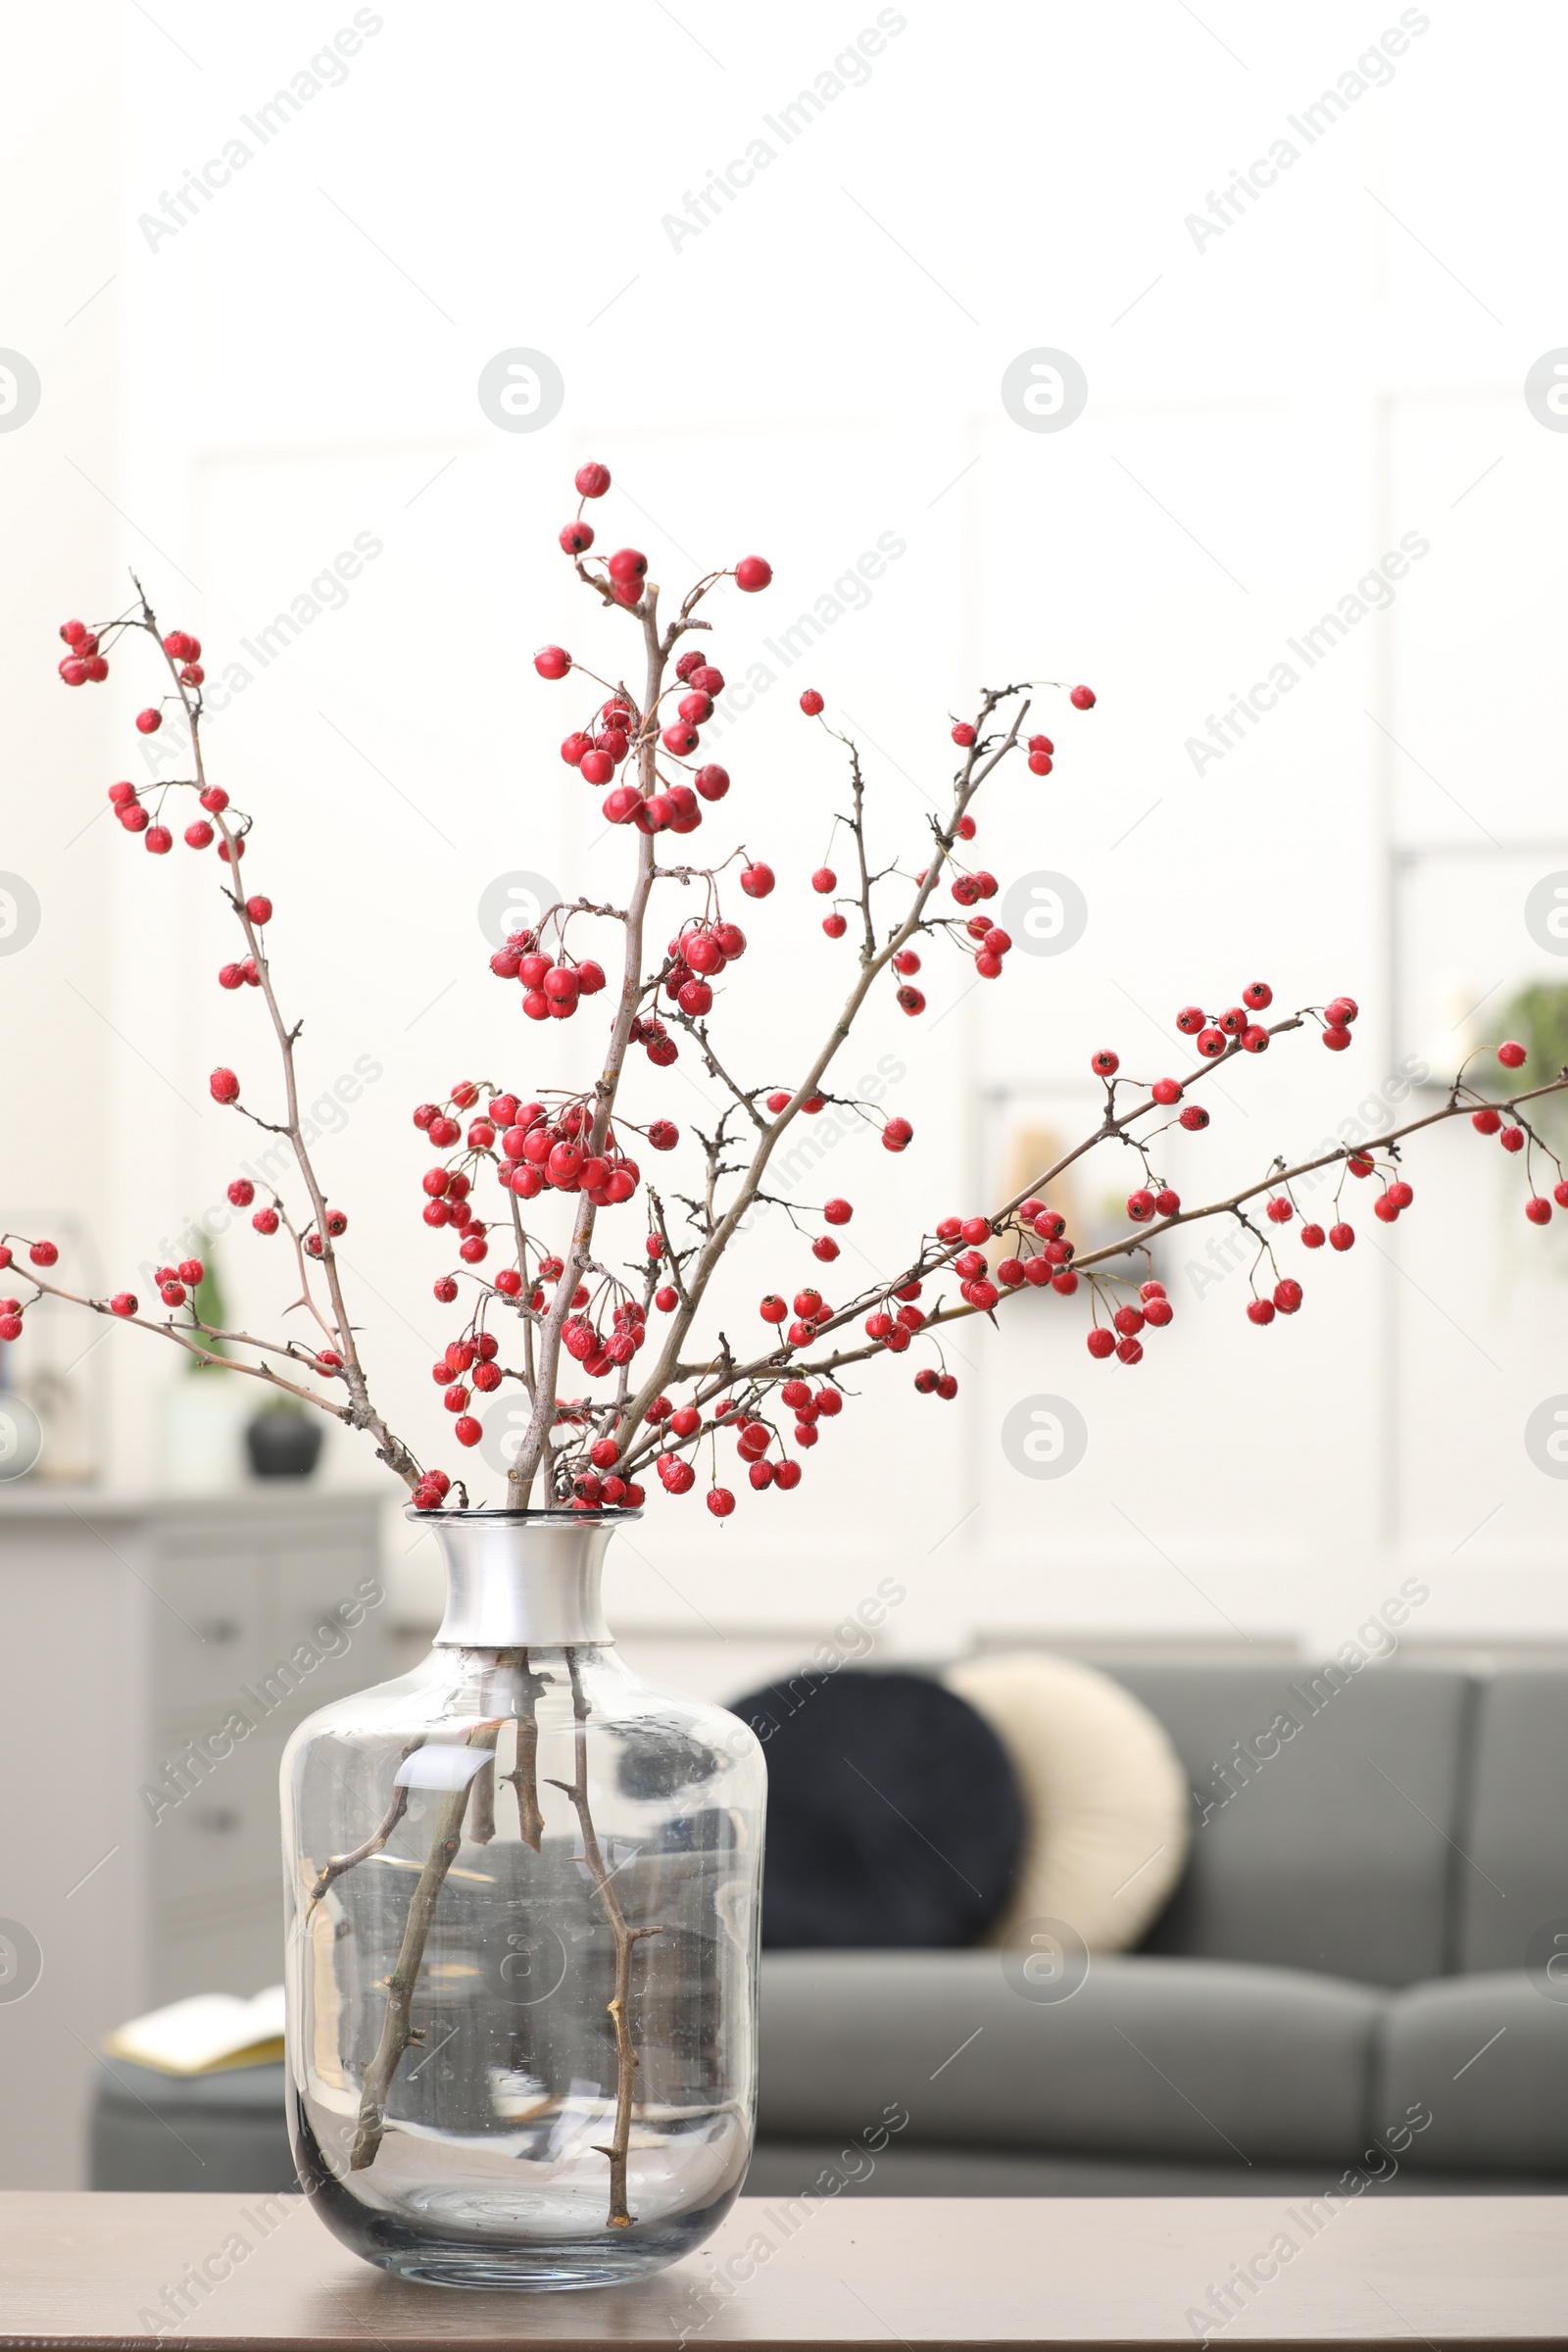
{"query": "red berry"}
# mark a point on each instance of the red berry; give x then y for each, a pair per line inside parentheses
(1512, 1055)
(1539, 1211)
(43, 1253)
(1254, 1040)
(773, 1308)
(259, 909)
(213, 800)
(1512, 1138)
(1401, 1193)
(1288, 1296)
(1100, 1342)
(756, 880)
(628, 566)
(824, 881)
(1279, 1210)
(1335, 1038)
(1260, 1311)
(1194, 1119)
(897, 1135)
(711, 781)
(1129, 1320)
(591, 480)
(1082, 698)
(964, 735)
(1342, 1237)
(576, 538)
(1166, 1090)
(1213, 1043)
(224, 1086)
(811, 701)
(1312, 1237)
(148, 723)
(1140, 1205)
(1191, 1020)
(1486, 1120)
(835, 925)
(468, 1430)
(1159, 1312)
(124, 1303)
(1040, 764)
(551, 660)
(752, 573)
(1341, 1012)
(133, 816)
(159, 840)
(1257, 996)
(1167, 1201)
(199, 835)
(1105, 1063)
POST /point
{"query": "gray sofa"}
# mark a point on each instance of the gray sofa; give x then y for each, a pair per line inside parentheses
(1357, 1976)
(1353, 1973)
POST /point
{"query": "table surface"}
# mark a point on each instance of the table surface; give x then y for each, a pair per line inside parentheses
(1462, 2272)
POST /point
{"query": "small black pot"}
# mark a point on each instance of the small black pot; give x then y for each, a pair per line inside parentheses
(284, 1444)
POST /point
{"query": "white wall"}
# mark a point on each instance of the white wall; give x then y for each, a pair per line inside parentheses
(1268, 413)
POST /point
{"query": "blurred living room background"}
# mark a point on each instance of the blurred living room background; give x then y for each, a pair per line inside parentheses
(1327, 387)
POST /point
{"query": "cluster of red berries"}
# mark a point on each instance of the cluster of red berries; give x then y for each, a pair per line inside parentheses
(40, 1253)
(753, 1438)
(1214, 1033)
(697, 956)
(158, 840)
(1121, 1338)
(83, 664)
(552, 986)
(1488, 1120)
(597, 751)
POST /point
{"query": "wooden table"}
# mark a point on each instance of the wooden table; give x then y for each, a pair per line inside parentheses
(1471, 2271)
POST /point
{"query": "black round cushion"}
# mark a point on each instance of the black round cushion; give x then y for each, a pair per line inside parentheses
(892, 1815)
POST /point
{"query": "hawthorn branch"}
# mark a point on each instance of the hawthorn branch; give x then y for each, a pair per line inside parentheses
(979, 762)
(779, 1364)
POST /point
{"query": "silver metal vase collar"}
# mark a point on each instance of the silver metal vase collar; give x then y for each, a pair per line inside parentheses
(521, 1580)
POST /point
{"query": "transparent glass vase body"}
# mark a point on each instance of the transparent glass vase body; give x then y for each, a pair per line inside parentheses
(522, 1889)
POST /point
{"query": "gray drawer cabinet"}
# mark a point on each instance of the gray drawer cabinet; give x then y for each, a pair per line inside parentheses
(154, 1658)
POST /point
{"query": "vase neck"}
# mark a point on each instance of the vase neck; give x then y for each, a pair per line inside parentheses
(521, 1584)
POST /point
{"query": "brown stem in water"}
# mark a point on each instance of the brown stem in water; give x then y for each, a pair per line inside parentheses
(524, 1774)
(482, 1825)
(400, 1984)
(618, 2216)
(336, 1865)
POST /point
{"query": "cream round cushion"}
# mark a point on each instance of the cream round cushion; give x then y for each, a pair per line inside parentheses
(1105, 1794)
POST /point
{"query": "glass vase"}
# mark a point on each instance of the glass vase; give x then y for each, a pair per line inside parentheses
(522, 1897)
